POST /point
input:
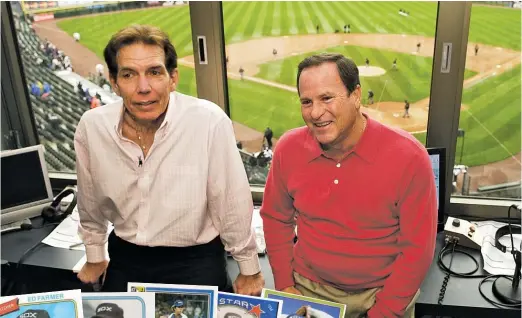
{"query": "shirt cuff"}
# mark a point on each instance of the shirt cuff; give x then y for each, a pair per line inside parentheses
(96, 253)
(250, 266)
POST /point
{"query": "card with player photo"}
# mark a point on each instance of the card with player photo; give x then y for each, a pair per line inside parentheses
(180, 301)
(118, 305)
(66, 303)
(295, 306)
(241, 306)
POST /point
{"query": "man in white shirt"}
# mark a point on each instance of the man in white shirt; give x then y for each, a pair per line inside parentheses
(163, 168)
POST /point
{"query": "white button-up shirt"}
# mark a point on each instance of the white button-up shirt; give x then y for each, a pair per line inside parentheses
(190, 188)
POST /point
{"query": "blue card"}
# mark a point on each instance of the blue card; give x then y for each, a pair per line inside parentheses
(240, 306)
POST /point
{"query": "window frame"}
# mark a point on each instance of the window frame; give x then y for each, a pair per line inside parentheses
(15, 94)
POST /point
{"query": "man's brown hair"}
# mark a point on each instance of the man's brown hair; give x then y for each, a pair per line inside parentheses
(136, 33)
(347, 69)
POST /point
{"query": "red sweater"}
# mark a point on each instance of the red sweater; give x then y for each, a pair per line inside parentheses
(367, 221)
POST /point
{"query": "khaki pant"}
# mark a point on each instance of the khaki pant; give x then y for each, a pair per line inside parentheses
(357, 303)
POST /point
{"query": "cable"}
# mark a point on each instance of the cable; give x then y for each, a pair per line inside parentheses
(27, 253)
(24, 257)
(46, 225)
(447, 270)
(448, 275)
(491, 301)
(510, 231)
(12, 284)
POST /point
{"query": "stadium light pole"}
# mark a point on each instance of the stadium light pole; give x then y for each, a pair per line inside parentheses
(461, 133)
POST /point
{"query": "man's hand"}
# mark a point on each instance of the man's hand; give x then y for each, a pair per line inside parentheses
(91, 272)
(292, 290)
(249, 285)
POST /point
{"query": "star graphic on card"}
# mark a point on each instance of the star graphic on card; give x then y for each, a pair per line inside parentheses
(256, 310)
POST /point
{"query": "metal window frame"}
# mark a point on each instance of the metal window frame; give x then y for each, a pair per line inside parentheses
(15, 96)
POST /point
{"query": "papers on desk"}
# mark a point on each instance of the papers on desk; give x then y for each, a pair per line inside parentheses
(496, 262)
(65, 235)
(257, 225)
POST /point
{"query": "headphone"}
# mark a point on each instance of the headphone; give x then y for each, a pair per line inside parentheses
(505, 231)
(53, 213)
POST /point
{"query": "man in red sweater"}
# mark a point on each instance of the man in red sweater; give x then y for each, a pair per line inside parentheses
(361, 194)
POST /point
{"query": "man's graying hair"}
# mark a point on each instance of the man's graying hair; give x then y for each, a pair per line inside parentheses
(348, 71)
(145, 34)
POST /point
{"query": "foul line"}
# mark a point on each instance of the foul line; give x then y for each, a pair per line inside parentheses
(382, 93)
(489, 132)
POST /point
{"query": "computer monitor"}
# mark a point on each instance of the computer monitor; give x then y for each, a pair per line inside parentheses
(438, 164)
(26, 187)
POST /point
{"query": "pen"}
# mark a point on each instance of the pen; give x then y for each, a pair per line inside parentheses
(75, 245)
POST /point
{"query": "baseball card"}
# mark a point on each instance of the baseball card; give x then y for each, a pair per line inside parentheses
(240, 306)
(67, 303)
(300, 306)
(118, 305)
(180, 301)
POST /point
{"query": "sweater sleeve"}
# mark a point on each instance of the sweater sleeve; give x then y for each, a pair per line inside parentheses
(277, 212)
(418, 227)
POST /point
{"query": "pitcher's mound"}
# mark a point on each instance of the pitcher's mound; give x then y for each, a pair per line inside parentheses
(371, 71)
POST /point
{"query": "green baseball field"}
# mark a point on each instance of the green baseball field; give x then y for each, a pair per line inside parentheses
(490, 114)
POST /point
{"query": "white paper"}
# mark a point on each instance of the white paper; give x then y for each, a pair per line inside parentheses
(132, 305)
(257, 225)
(65, 235)
(496, 262)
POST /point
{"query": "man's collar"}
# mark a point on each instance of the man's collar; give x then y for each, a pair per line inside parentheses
(365, 148)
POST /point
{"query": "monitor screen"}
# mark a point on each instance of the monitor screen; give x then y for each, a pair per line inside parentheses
(24, 181)
(435, 165)
(438, 165)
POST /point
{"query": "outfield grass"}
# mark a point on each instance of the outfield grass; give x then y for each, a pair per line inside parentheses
(493, 26)
(246, 20)
(494, 107)
(412, 80)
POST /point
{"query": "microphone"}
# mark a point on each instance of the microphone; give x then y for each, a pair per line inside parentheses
(140, 162)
